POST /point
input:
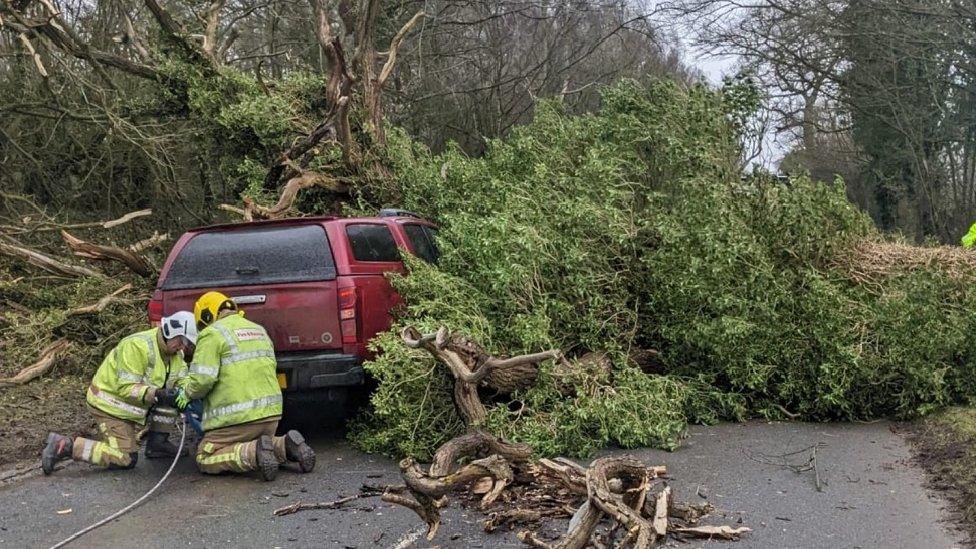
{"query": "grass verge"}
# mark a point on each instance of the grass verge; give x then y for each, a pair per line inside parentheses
(944, 444)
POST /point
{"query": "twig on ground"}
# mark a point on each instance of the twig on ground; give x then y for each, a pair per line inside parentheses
(302, 506)
(787, 461)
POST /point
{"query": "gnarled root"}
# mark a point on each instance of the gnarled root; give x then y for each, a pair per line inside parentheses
(428, 490)
(471, 365)
(614, 488)
(476, 444)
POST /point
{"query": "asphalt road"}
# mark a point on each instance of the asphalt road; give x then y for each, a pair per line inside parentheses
(871, 496)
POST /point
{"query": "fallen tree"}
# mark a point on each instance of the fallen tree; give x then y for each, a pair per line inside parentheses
(49, 303)
(616, 501)
(631, 234)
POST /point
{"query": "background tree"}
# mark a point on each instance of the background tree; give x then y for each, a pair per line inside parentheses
(892, 78)
(183, 105)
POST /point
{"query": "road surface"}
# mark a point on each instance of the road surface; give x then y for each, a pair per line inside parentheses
(871, 496)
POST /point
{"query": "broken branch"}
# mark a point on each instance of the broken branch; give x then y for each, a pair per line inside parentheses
(290, 192)
(301, 506)
(391, 55)
(136, 263)
(713, 532)
(661, 512)
(40, 367)
(614, 488)
(101, 303)
(154, 240)
(44, 261)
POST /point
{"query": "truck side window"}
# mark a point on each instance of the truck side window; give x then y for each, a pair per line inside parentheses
(372, 242)
(422, 241)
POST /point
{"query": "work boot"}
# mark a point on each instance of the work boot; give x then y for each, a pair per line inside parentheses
(159, 446)
(133, 459)
(58, 448)
(267, 462)
(296, 450)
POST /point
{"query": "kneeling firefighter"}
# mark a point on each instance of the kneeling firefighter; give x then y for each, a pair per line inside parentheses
(121, 394)
(234, 372)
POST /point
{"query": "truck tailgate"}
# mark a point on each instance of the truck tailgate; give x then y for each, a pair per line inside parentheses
(299, 316)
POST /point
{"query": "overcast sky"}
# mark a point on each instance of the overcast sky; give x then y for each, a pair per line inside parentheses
(715, 68)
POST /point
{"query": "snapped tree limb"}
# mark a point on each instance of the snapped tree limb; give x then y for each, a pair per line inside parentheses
(39, 368)
(713, 532)
(44, 261)
(619, 492)
(471, 365)
(135, 262)
(100, 305)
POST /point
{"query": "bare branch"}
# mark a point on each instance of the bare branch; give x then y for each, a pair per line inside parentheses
(46, 262)
(391, 55)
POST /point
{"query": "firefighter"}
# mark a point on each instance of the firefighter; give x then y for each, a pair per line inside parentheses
(122, 392)
(233, 372)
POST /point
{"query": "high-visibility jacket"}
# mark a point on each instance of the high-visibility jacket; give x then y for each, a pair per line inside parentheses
(168, 376)
(233, 371)
(123, 384)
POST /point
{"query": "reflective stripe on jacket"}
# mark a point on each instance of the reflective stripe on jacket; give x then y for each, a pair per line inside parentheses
(167, 377)
(233, 371)
(123, 380)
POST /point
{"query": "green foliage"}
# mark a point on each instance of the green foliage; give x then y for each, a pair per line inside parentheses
(412, 408)
(44, 317)
(242, 122)
(743, 97)
(632, 229)
(591, 410)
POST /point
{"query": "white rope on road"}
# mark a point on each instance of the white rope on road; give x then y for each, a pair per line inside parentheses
(135, 503)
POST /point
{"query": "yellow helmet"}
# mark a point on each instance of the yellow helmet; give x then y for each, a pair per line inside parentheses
(209, 305)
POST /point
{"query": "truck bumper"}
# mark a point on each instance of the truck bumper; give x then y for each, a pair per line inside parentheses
(306, 371)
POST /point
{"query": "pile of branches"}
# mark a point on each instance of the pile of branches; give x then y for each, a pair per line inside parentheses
(870, 260)
(616, 501)
(130, 256)
(58, 288)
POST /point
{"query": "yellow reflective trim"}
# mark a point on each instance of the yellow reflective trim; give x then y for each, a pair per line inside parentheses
(114, 402)
(129, 376)
(102, 450)
(240, 357)
(209, 371)
(231, 342)
(233, 457)
(86, 452)
(262, 402)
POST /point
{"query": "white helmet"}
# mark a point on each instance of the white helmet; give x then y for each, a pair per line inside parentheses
(180, 323)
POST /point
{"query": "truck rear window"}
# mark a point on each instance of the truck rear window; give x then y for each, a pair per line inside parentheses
(372, 242)
(262, 255)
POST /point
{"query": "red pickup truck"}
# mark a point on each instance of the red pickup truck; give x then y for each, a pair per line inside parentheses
(316, 284)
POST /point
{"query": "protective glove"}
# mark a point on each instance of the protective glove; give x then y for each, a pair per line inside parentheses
(166, 397)
(181, 400)
(193, 413)
(175, 398)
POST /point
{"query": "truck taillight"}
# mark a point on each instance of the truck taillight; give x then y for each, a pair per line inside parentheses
(347, 314)
(155, 311)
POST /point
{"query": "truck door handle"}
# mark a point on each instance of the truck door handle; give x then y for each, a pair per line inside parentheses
(246, 270)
